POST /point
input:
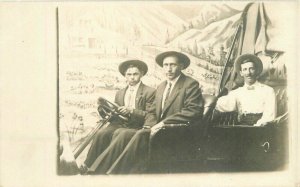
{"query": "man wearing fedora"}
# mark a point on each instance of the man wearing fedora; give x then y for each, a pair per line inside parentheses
(178, 100)
(255, 102)
(134, 101)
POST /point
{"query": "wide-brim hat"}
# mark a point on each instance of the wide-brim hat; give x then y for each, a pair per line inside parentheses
(142, 66)
(185, 60)
(249, 58)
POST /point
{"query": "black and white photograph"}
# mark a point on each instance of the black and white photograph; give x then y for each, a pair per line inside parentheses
(180, 93)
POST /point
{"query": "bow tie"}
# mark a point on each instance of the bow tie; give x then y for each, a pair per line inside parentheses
(250, 87)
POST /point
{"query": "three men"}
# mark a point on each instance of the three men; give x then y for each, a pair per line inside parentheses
(134, 101)
(255, 102)
(177, 100)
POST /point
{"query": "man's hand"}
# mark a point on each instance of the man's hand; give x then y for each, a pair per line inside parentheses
(125, 111)
(258, 124)
(156, 127)
(100, 101)
(268, 124)
(263, 124)
(102, 112)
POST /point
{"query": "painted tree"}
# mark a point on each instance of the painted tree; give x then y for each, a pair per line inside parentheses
(191, 25)
(211, 50)
(195, 49)
(167, 37)
(222, 54)
(202, 53)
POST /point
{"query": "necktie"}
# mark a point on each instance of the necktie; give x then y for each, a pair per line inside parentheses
(168, 93)
(130, 97)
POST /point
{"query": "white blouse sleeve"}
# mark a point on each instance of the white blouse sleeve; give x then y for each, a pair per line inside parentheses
(227, 103)
(270, 108)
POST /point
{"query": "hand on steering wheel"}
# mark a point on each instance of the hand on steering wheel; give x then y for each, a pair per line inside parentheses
(125, 111)
(107, 108)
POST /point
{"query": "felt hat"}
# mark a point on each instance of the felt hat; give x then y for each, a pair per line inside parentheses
(181, 57)
(249, 58)
(142, 66)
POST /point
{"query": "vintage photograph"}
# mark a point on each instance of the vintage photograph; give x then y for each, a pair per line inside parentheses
(172, 87)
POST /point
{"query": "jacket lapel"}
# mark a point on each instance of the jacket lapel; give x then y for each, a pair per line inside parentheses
(122, 95)
(139, 95)
(174, 92)
(159, 97)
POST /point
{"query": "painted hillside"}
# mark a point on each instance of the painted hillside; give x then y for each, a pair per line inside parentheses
(94, 40)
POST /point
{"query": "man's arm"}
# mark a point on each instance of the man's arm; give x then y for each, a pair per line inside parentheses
(150, 118)
(227, 103)
(139, 115)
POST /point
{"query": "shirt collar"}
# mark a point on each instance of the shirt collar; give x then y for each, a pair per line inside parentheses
(256, 84)
(173, 82)
(135, 87)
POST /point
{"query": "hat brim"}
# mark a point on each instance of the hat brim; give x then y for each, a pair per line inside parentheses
(142, 66)
(249, 58)
(185, 60)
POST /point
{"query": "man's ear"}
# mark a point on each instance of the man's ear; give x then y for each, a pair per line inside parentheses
(181, 66)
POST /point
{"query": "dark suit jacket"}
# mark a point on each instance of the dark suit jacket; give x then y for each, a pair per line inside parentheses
(143, 101)
(185, 103)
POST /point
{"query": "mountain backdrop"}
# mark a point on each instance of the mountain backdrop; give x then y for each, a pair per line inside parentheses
(94, 40)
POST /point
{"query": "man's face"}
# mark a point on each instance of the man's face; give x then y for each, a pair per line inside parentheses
(248, 71)
(133, 75)
(172, 68)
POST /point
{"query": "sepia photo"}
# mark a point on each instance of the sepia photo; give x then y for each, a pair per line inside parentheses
(210, 121)
(149, 93)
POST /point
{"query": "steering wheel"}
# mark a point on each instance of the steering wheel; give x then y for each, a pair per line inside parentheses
(107, 108)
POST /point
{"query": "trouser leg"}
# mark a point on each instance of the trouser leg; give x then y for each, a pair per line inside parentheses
(134, 158)
(100, 143)
(104, 161)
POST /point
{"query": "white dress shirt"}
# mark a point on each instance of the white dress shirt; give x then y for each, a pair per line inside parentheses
(259, 98)
(173, 82)
(130, 95)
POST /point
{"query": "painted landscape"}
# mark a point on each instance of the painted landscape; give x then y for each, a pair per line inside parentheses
(94, 40)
